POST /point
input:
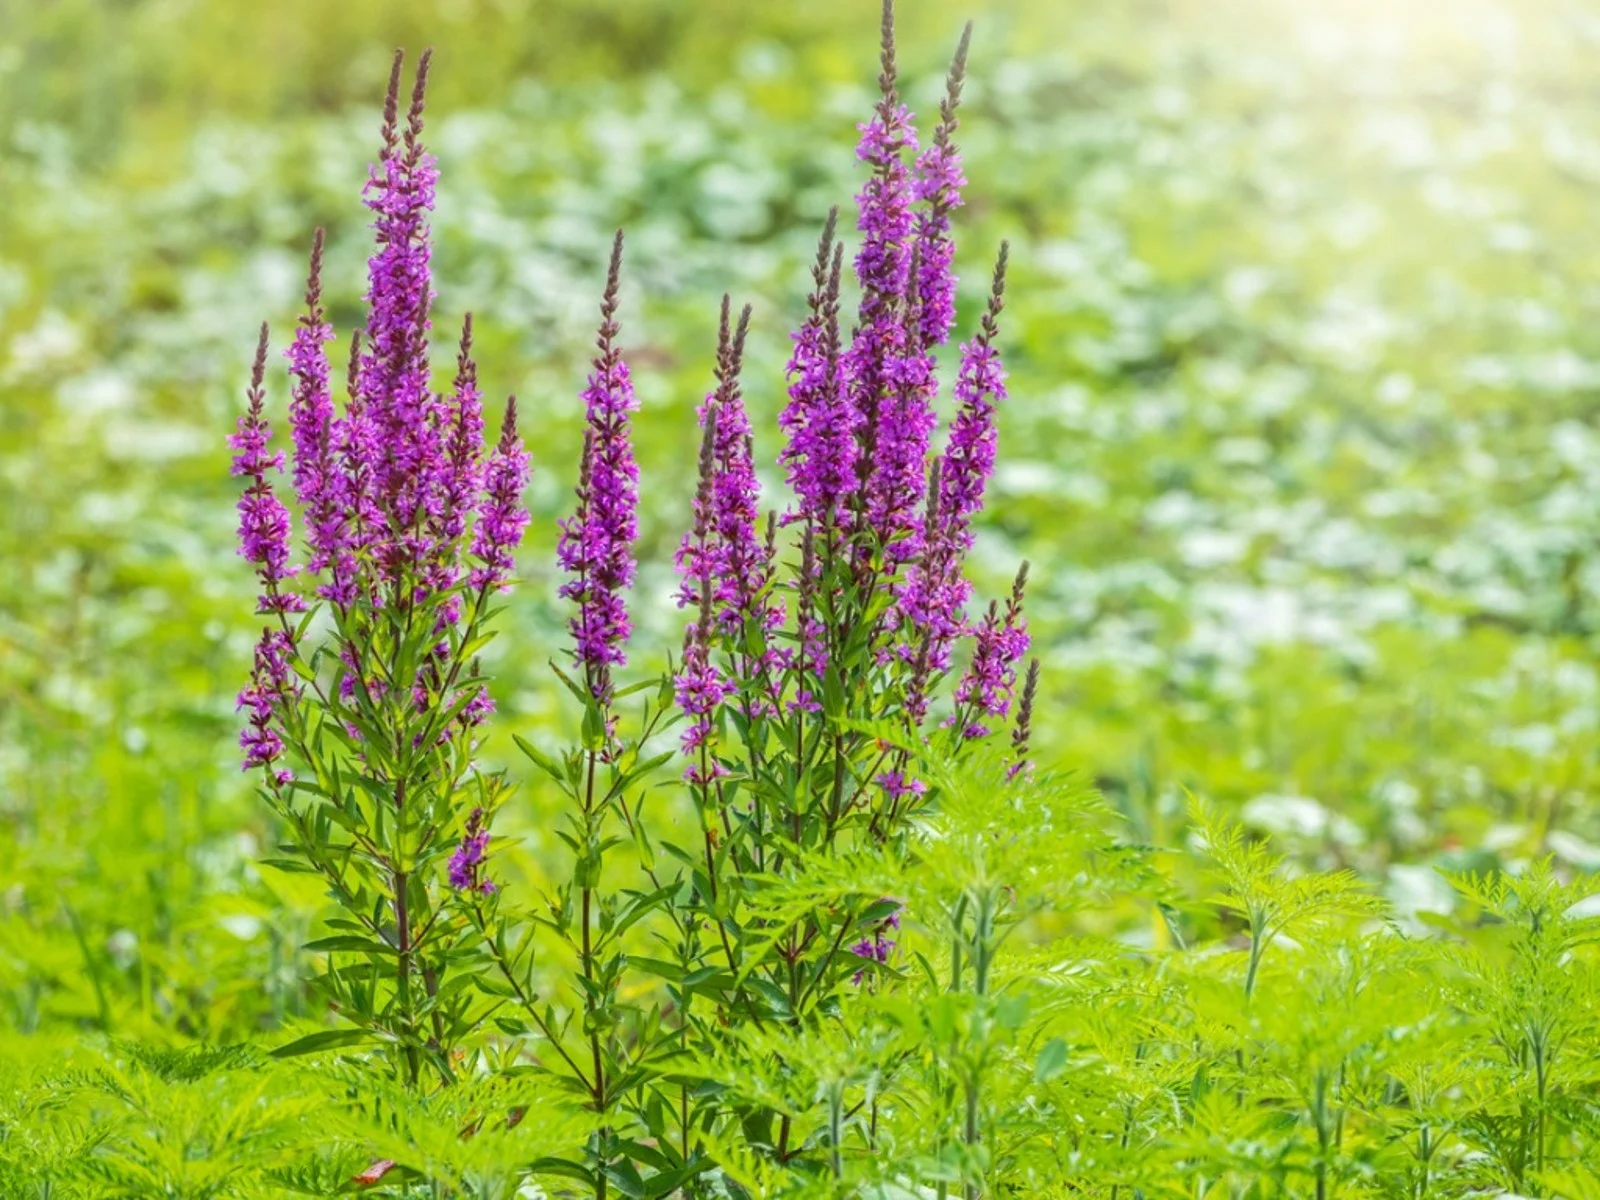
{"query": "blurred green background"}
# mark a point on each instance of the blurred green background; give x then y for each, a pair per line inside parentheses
(1303, 334)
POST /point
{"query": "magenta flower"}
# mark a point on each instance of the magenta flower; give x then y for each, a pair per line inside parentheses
(879, 947)
(930, 606)
(820, 457)
(264, 527)
(402, 441)
(399, 499)
(886, 376)
(458, 473)
(320, 484)
(700, 689)
(270, 686)
(504, 517)
(596, 546)
(897, 785)
(466, 863)
(992, 674)
(938, 185)
(722, 553)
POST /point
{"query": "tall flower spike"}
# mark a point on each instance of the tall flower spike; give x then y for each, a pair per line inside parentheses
(699, 686)
(270, 687)
(930, 610)
(354, 453)
(503, 516)
(320, 484)
(902, 426)
(1024, 730)
(456, 478)
(874, 364)
(723, 550)
(458, 475)
(938, 187)
(264, 528)
(596, 546)
(820, 458)
(403, 443)
(1000, 643)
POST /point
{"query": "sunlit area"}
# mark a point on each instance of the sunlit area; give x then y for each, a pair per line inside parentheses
(1275, 879)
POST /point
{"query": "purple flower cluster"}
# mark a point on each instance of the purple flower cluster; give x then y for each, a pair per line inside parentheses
(886, 526)
(991, 677)
(320, 486)
(270, 687)
(879, 946)
(930, 605)
(860, 421)
(404, 430)
(503, 517)
(700, 688)
(396, 494)
(264, 526)
(596, 546)
(886, 375)
(820, 458)
(466, 864)
(722, 554)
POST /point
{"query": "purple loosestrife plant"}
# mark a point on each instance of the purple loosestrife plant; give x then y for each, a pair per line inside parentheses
(809, 694)
(604, 1048)
(805, 722)
(374, 695)
(596, 548)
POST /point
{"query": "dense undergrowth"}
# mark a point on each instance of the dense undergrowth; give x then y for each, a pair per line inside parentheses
(1299, 449)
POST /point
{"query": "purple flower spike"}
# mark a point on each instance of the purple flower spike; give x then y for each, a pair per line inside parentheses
(820, 458)
(968, 460)
(503, 517)
(403, 441)
(938, 186)
(320, 484)
(596, 546)
(1022, 735)
(264, 527)
(354, 454)
(930, 609)
(992, 674)
(884, 218)
(888, 377)
(270, 686)
(700, 689)
(723, 552)
(467, 862)
(459, 472)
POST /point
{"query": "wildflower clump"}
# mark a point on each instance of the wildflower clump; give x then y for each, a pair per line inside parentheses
(810, 693)
(365, 693)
